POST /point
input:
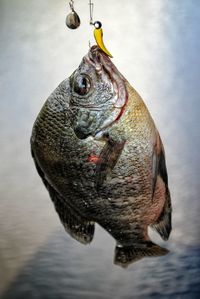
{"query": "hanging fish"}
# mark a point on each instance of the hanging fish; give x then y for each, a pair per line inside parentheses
(101, 159)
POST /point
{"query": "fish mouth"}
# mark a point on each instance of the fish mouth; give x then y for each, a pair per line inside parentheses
(110, 75)
(98, 58)
(104, 65)
(108, 71)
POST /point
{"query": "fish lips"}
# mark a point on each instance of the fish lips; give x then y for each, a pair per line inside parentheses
(97, 56)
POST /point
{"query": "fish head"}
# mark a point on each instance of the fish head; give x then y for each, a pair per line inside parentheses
(97, 94)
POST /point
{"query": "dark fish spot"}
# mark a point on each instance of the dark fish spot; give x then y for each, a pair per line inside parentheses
(79, 131)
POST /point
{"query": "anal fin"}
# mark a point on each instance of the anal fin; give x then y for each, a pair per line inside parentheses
(126, 255)
(163, 224)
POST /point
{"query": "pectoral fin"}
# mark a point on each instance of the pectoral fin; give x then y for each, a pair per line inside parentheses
(107, 160)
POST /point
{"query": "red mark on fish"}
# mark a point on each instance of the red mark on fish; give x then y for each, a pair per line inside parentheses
(94, 159)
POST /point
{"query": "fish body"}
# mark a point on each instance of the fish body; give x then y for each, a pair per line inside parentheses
(102, 160)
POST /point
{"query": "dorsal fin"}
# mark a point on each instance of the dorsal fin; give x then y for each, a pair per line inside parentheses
(76, 225)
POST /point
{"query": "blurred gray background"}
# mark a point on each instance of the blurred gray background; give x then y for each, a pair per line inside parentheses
(156, 46)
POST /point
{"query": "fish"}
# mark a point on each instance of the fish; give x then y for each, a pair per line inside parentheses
(101, 158)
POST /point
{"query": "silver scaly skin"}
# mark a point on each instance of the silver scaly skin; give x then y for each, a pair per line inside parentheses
(101, 158)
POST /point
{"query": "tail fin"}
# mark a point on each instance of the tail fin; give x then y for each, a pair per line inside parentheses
(130, 254)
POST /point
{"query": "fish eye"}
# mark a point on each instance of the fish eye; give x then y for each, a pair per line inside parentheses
(81, 84)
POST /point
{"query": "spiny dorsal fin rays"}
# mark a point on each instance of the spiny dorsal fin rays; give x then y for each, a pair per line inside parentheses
(98, 35)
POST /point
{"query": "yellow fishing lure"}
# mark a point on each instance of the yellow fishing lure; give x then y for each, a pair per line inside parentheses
(98, 35)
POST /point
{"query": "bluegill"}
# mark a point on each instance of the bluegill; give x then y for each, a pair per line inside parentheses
(102, 160)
